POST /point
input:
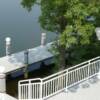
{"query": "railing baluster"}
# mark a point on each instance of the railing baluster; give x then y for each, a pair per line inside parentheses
(29, 96)
(66, 78)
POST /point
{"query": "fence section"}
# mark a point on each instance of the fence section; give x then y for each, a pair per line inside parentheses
(46, 87)
(30, 89)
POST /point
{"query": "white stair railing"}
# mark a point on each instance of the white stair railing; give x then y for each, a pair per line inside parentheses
(46, 87)
(30, 89)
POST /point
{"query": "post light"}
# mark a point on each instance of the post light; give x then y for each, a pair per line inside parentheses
(43, 39)
(97, 30)
(8, 46)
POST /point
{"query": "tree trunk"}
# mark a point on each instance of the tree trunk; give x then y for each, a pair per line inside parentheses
(62, 57)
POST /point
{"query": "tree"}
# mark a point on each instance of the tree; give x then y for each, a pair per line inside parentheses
(69, 19)
(28, 4)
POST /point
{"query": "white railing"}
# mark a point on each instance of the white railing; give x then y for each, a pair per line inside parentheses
(30, 89)
(46, 87)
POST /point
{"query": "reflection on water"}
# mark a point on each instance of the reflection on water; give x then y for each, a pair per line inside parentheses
(22, 26)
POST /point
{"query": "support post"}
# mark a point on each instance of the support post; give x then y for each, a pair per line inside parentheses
(66, 90)
(8, 46)
(88, 68)
(41, 90)
(29, 91)
(26, 63)
(98, 75)
(2, 80)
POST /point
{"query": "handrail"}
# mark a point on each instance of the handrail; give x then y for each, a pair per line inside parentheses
(57, 82)
(42, 79)
(36, 79)
(70, 68)
(84, 62)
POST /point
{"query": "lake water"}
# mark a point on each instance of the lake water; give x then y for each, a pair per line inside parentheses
(22, 26)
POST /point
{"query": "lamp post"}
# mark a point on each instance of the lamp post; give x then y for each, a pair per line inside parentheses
(97, 30)
(8, 46)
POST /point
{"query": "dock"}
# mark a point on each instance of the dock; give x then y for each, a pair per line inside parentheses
(15, 62)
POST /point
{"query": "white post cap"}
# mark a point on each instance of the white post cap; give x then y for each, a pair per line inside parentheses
(97, 30)
(8, 40)
(43, 34)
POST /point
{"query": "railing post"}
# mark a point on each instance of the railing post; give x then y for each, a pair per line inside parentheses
(19, 91)
(29, 95)
(99, 75)
(99, 72)
(66, 90)
(41, 84)
(88, 68)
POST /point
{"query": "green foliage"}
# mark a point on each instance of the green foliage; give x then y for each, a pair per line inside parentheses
(68, 18)
(67, 38)
(28, 4)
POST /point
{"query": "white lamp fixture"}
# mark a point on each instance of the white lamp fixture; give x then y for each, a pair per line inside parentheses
(8, 40)
(97, 30)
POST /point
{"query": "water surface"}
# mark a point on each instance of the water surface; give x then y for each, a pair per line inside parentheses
(22, 26)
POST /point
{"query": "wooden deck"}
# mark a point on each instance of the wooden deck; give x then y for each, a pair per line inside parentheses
(16, 61)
